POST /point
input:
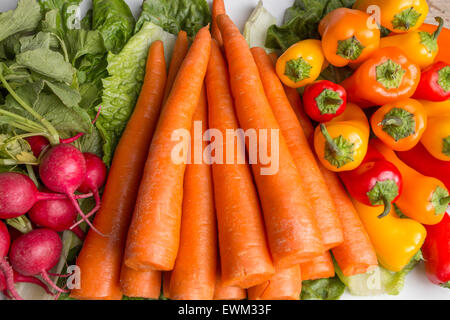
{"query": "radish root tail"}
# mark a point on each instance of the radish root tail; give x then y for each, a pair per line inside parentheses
(9, 276)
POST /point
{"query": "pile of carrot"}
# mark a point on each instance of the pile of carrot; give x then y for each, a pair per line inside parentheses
(220, 231)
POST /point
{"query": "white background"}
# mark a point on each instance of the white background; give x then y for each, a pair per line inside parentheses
(416, 284)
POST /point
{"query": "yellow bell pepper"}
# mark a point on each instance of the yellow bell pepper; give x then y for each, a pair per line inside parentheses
(399, 16)
(395, 240)
(436, 138)
(341, 144)
(301, 64)
(420, 47)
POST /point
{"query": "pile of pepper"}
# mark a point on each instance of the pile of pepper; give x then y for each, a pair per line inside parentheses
(385, 128)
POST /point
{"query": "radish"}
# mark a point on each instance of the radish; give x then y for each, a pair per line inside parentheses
(35, 253)
(18, 194)
(58, 215)
(6, 272)
(63, 169)
(95, 178)
(37, 144)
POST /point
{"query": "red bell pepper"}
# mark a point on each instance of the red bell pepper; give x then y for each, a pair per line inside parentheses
(434, 83)
(323, 100)
(375, 182)
(422, 161)
(436, 252)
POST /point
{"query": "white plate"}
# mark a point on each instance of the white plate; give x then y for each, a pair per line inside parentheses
(416, 284)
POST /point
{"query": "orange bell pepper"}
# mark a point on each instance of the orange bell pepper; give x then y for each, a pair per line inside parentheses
(346, 37)
(400, 124)
(387, 76)
(424, 199)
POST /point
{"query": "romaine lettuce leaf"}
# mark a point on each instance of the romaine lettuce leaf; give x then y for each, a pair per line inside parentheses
(114, 20)
(25, 17)
(122, 87)
(255, 29)
(175, 15)
(379, 280)
(301, 22)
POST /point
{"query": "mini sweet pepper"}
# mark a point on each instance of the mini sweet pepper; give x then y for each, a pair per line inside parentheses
(400, 124)
(347, 37)
(434, 83)
(436, 138)
(395, 240)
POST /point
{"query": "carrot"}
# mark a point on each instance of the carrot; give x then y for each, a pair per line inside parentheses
(311, 177)
(291, 228)
(194, 275)
(222, 292)
(318, 268)
(218, 8)
(140, 284)
(154, 235)
(179, 53)
(245, 256)
(296, 104)
(100, 259)
(166, 283)
(286, 284)
(356, 254)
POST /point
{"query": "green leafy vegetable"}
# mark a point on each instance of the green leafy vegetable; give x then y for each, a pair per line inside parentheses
(255, 29)
(379, 280)
(322, 289)
(25, 17)
(122, 87)
(301, 22)
(175, 15)
(114, 20)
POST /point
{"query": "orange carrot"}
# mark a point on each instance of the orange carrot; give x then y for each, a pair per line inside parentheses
(292, 231)
(218, 8)
(194, 275)
(356, 254)
(100, 259)
(286, 284)
(140, 284)
(311, 177)
(154, 235)
(166, 283)
(245, 256)
(179, 53)
(318, 268)
(222, 292)
(296, 104)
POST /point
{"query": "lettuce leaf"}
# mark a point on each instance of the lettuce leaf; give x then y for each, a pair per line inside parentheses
(379, 280)
(122, 87)
(301, 22)
(255, 29)
(114, 20)
(322, 289)
(175, 15)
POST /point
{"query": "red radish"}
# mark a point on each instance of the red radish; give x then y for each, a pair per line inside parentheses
(58, 215)
(7, 282)
(95, 178)
(37, 144)
(18, 194)
(18, 278)
(35, 253)
(63, 169)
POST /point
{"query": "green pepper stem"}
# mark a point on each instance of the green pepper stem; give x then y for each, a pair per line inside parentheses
(440, 27)
(387, 208)
(391, 121)
(445, 200)
(329, 140)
